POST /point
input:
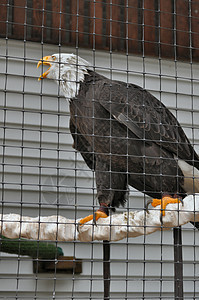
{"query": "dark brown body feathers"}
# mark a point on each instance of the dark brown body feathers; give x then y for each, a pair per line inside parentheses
(128, 137)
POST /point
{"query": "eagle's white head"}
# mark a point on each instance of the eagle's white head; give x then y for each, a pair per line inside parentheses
(67, 70)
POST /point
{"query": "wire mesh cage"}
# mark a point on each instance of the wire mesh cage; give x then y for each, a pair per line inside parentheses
(46, 171)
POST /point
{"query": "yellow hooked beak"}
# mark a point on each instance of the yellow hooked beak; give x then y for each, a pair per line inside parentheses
(46, 60)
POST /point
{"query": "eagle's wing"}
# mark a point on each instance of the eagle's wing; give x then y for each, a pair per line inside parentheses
(81, 144)
(146, 117)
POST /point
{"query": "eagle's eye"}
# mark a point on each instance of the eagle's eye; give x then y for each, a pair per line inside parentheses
(53, 57)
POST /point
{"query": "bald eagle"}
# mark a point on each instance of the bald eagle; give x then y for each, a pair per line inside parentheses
(125, 135)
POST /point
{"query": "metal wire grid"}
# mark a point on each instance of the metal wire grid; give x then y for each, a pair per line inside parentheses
(132, 261)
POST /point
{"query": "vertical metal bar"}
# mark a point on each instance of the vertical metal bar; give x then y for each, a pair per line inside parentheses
(106, 269)
(10, 13)
(48, 25)
(178, 264)
(29, 23)
(87, 21)
(177, 234)
(67, 22)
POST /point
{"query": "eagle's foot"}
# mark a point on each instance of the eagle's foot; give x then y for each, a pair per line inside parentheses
(163, 203)
(102, 212)
(98, 214)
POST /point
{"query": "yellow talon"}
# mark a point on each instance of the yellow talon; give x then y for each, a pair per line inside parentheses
(98, 214)
(163, 202)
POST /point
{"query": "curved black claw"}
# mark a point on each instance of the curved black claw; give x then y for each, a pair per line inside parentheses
(78, 225)
(147, 205)
(161, 219)
(94, 219)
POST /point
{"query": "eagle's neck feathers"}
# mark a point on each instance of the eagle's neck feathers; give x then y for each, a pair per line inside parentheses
(70, 79)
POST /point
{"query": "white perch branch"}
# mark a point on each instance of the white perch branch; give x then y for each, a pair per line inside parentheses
(114, 228)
